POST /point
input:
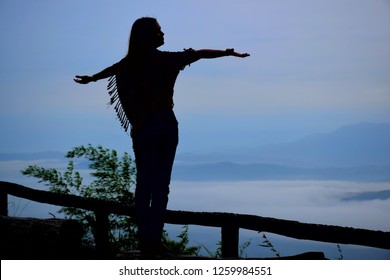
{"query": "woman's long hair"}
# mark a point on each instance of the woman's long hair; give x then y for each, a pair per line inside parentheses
(130, 107)
(142, 36)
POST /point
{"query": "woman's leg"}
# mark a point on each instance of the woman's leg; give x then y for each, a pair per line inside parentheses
(160, 190)
(154, 148)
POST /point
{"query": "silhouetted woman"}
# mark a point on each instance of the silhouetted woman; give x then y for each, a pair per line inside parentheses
(141, 87)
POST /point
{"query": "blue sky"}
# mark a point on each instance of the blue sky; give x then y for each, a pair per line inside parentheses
(314, 66)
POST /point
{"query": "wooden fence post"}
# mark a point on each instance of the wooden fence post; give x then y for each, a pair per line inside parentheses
(3, 203)
(229, 240)
(102, 228)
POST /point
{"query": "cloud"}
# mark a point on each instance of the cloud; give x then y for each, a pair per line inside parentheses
(305, 201)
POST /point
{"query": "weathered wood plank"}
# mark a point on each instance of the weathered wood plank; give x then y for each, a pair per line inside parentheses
(65, 200)
(294, 229)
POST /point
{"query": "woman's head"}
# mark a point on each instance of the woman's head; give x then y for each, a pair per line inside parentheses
(145, 35)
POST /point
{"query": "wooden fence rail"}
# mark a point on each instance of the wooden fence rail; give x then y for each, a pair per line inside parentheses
(229, 223)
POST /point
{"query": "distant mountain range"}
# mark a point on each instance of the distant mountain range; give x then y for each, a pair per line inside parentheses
(358, 152)
(353, 145)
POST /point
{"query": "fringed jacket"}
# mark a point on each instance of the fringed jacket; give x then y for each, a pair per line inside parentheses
(141, 86)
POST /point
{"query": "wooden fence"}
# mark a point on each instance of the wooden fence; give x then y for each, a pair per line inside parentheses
(229, 223)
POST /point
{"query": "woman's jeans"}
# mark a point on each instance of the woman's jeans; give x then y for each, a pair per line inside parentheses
(154, 148)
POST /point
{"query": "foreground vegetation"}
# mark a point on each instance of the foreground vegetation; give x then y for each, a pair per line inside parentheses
(113, 178)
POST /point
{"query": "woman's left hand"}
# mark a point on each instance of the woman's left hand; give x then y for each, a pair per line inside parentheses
(233, 53)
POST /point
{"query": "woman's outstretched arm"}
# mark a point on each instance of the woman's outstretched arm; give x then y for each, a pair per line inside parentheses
(205, 53)
(85, 79)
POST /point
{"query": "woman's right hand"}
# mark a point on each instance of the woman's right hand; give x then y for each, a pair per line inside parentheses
(85, 79)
